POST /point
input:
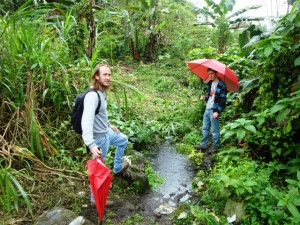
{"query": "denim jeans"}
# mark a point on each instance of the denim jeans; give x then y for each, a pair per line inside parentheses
(120, 141)
(208, 122)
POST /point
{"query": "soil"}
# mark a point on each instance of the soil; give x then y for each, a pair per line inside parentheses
(154, 206)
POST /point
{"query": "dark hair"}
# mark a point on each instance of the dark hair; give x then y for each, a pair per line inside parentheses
(210, 69)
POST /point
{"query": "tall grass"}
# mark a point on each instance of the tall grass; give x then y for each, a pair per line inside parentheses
(42, 68)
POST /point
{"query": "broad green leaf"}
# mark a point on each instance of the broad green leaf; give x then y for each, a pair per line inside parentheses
(282, 115)
(276, 46)
(250, 183)
(277, 108)
(287, 127)
(293, 192)
(233, 125)
(235, 182)
(251, 128)
(225, 179)
(274, 192)
(268, 50)
(297, 61)
(281, 203)
(240, 134)
(228, 134)
(294, 211)
(297, 201)
(249, 189)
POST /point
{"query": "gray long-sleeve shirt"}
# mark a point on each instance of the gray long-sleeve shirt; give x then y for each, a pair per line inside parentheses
(94, 126)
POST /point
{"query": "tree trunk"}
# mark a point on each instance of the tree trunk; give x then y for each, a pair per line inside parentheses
(153, 21)
(92, 29)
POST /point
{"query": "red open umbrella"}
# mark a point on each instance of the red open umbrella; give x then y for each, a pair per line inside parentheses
(100, 180)
(200, 66)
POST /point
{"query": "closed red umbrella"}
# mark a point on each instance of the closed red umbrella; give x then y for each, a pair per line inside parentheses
(200, 66)
(100, 180)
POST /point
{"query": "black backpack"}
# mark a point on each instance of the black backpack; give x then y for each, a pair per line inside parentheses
(78, 110)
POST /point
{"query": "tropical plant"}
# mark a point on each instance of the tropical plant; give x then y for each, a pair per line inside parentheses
(288, 110)
(135, 16)
(240, 128)
(224, 22)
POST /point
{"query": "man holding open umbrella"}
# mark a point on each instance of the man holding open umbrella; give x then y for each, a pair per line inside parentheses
(216, 100)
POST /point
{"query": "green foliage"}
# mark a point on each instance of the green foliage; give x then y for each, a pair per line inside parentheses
(224, 22)
(196, 157)
(288, 110)
(191, 138)
(245, 37)
(237, 179)
(184, 148)
(241, 128)
(289, 201)
(12, 193)
(155, 180)
(195, 214)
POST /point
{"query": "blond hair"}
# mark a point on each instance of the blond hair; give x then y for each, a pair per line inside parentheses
(96, 72)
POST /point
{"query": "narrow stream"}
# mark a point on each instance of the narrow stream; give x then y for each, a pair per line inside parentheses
(177, 172)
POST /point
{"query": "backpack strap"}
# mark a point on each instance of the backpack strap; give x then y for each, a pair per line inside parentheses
(99, 102)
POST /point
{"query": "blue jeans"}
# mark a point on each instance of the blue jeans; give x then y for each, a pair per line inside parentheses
(113, 138)
(120, 141)
(208, 122)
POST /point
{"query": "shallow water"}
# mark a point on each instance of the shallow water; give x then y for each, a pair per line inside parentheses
(177, 172)
(175, 168)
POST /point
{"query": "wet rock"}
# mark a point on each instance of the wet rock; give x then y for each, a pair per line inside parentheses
(172, 194)
(135, 173)
(61, 216)
(207, 163)
(184, 185)
(164, 209)
(235, 209)
(182, 215)
(184, 198)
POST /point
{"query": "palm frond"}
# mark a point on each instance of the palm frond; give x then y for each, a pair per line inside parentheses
(243, 10)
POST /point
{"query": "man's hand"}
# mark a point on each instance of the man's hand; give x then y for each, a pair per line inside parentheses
(215, 115)
(115, 129)
(202, 98)
(96, 151)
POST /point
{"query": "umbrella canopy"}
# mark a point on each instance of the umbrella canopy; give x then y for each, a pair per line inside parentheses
(100, 180)
(200, 66)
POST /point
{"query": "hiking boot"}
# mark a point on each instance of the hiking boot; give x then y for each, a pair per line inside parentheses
(201, 148)
(125, 167)
(212, 150)
(108, 203)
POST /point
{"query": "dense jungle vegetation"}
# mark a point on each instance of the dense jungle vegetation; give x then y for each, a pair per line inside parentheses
(48, 50)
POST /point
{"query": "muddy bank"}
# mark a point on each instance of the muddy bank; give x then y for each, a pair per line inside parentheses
(154, 206)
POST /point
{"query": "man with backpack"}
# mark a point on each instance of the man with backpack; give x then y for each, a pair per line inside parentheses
(97, 133)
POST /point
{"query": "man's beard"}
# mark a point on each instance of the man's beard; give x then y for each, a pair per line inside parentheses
(105, 87)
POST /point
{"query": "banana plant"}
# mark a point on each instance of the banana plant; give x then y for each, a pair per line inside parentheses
(140, 16)
(220, 18)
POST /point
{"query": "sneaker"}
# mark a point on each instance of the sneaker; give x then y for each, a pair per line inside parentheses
(212, 150)
(201, 148)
